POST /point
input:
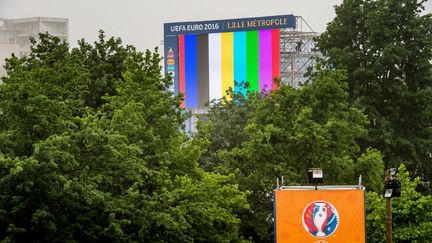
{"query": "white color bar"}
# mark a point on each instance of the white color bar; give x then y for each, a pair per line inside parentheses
(215, 66)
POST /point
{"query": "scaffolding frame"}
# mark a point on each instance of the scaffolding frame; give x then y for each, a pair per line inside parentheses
(296, 52)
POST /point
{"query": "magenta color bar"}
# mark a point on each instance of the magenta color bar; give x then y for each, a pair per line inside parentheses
(265, 60)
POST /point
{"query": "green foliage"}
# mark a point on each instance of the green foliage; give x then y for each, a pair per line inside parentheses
(105, 64)
(284, 133)
(412, 213)
(41, 96)
(235, 114)
(92, 148)
(371, 167)
(92, 151)
(386, 48)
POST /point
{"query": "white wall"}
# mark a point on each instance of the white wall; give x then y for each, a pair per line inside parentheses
(6, 51)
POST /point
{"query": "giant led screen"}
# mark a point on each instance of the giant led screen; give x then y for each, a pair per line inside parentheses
(207, 58)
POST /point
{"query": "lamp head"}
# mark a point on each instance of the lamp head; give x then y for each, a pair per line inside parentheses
(315, 175)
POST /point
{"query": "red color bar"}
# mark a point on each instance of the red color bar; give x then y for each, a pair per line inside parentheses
(182, 69)
(275, 56)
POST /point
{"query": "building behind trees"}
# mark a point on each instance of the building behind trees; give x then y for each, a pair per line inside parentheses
(15, 34)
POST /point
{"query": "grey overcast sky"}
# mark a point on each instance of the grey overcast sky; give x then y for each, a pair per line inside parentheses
(140, 22)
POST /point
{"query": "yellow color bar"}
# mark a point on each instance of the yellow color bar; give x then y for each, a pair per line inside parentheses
(227, 39)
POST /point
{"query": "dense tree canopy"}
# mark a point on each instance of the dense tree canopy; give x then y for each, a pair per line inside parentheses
(412, 217)
(283, 134)
(386, 48)
(92, 151)
(93, 147)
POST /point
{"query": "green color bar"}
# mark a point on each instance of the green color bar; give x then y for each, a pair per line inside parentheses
(252, 60)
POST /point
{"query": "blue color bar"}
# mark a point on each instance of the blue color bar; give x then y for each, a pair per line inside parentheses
(191, 78)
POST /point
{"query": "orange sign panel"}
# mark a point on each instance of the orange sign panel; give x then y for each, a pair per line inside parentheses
(320, 216)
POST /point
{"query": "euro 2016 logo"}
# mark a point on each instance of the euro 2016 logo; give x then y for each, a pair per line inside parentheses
(320, 219)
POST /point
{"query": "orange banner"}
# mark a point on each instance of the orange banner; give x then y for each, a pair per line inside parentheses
(320, 216)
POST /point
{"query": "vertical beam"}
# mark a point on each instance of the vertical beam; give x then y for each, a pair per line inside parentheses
(389, 221)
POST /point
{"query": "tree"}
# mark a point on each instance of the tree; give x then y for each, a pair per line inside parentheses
(288, 132)
(109, 162)
(386, 48)
(41, 95)
(412, 213)
(105, 63)
(225, 124)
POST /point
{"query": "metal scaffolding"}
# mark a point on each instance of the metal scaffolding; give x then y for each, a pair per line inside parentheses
(296, 52)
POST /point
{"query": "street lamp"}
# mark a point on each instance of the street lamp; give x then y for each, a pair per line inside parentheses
(392, 188)
(315, 175)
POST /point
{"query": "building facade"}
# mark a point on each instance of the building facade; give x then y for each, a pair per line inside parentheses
(15, 34)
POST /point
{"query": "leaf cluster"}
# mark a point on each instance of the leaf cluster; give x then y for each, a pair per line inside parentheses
(283, 133)
(92, 150)
(386, 47)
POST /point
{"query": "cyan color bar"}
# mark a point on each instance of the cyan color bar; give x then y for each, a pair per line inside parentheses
(239, 62)
(191, 89)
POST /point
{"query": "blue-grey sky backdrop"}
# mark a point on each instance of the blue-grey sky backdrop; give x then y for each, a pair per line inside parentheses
(140, 22)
